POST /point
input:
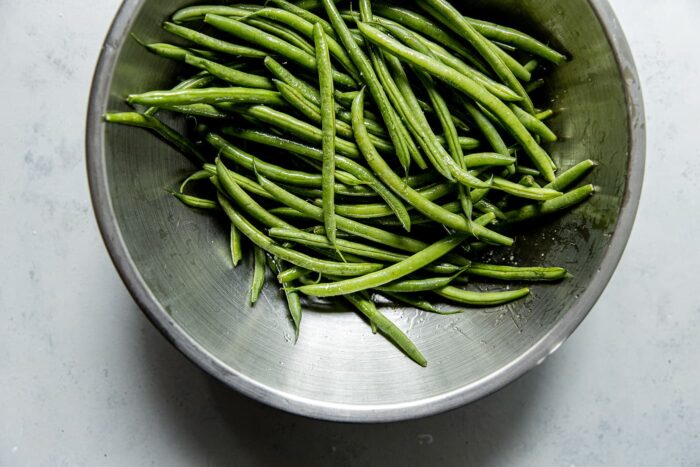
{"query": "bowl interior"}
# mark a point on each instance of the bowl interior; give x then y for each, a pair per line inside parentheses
(176, 259)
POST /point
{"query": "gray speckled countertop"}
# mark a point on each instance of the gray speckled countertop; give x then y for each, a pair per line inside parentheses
(86, 380)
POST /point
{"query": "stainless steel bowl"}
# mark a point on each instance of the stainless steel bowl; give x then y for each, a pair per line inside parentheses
(174, 260)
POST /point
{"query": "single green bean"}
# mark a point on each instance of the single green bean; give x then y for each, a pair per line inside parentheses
(171, 136)
(572, 175)
(544, 115)
(539, 194)
(237, 95)
(200, 80)
(534, 86)
(197, 12)
(490, 159)
(258, 280)
(174, 52)
(235, 246)
(198, 175)
(194, 201)
(389, 329)
(551, 206)
(212, 43)
(516, 273)
(469, 87)
(531, 65)
(481, 298)
(293, 298)
(273, 43)
(325, 80)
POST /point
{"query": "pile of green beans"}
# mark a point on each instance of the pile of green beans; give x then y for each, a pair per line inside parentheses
(369, 152)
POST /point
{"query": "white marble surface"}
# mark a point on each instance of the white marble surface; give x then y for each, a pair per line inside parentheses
(86, 380)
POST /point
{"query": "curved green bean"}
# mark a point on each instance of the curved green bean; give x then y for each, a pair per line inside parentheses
(417, 285)
(516, 273)
(469, 297)
(570, 176)
(195, 201)
(551, 206)
(258, 281)
(230, 75)
(388, 328)
(235, 246)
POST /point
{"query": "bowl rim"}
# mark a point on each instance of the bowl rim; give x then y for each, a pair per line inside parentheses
(536, 354)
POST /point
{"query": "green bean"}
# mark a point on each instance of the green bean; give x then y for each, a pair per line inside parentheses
(197, 110)
(469, 87)
(516, 273)
(345, 246)
(540, 194)
(551, 206)
(194, 201)
(397, 131)
(311, 4)
(368, 211)
(212, 43)
(450, 17)
(273, 43)
(313, 112)
(356, 228)
(418, 303)
(487, 207)
(230, 75)
(533, 124)
(300, 129)
(235, 246)
(252, 163)
(279, 31)
(531, 65)
(171, 136)
(423, 25)
(428, 208)
(529, 181)
(570, 176)
(305, 27)
(544, 115)
(387, 274)
(534, 86)
(528, 171)
(490, 159)
(238, 95)
(200, 80)
(342, 163)
(296, 258)
(173, 52)
(481, 298)
(389, 329)
(198, 175)
(228, 185)
(325, 80)
(307, 15)
(411, 114)
(487, 129)
(418, 285)
(517, 39)
(312, 95)
(258, 280)
(293, 273)
(293, 298)
(197, 12)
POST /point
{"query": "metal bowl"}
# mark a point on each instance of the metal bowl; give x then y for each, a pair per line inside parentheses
(174, 260)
